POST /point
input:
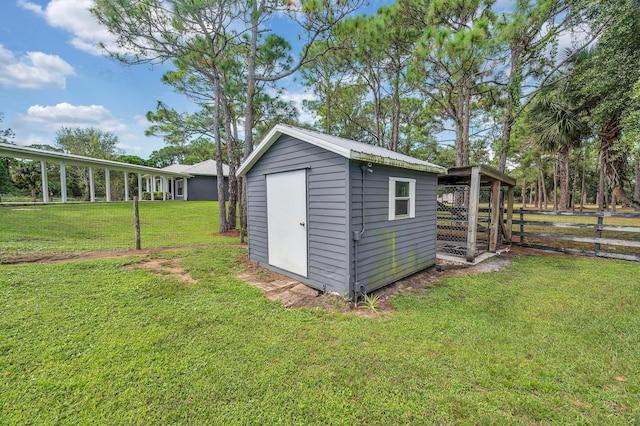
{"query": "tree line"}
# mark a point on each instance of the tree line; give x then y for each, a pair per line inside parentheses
(546, 90)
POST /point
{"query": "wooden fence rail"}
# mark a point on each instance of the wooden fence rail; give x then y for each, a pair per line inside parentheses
(597, 239)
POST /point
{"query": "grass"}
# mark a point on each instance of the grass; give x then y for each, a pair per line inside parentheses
(548, 340)
(62, 228)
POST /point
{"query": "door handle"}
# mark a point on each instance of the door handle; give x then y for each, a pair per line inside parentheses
(301, 223)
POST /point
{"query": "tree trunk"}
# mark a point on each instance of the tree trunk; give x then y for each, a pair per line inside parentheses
(248, 113)
(574, 181)
(564, 177)
(506, 136)
(459, 120)
(395, 114)
(543, 190)
(614, 202)
(222, 205)
(583, 190)
(615, 163)
(636, 187)
(524, 193)
(467, 122)
(555, 185)
(231, 154)
(600, 195)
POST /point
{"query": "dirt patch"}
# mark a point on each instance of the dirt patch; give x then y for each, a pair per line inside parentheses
(230, 233)
(165, 267)
(295, 295)
(69, 257)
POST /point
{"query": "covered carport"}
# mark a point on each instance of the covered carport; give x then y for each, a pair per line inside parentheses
(162, 177)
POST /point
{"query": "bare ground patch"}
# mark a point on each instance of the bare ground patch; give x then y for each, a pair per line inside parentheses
(296, 295)
(166, 267)
(88, 255)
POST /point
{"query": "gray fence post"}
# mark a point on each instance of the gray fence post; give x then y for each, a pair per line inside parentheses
(598, 233)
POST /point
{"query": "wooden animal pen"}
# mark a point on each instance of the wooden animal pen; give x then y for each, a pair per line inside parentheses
(471, 210)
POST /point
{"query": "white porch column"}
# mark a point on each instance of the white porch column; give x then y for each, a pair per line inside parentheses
(173, 188)
(139, 186)
(107, 181)
(153, 187)
(45, 182)
(184, 189)
(126, 187)
(92, 186)
(164, 188)
(63, 182)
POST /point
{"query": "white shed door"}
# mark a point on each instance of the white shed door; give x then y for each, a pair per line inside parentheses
(287, 221)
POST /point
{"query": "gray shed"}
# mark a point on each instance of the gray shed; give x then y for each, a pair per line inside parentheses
(306, 205)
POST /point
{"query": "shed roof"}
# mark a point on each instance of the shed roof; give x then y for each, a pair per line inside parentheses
(204, 168)
(462, 175)
(344, 147)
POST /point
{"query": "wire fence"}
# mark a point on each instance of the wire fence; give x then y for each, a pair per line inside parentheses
(33, 230)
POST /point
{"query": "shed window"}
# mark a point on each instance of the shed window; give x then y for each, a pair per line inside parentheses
(402, 198)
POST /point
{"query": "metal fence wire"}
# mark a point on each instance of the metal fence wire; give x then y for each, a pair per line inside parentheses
(34, 230)
(453, 219)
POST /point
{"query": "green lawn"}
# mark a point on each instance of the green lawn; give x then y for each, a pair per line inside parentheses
(63, 228)
(548, 340)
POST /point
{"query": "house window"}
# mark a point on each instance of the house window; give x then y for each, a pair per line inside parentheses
(179, 189)
(402, 198)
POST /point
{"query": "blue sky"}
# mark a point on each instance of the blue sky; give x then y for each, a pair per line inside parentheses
(53, 75)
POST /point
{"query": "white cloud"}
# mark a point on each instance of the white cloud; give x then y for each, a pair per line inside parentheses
(74, 16)
(141, 121)
(67, 115)
(129, 148)
(297, 99)
(34, 70)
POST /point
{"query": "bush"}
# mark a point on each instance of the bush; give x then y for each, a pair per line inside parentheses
(157, 195)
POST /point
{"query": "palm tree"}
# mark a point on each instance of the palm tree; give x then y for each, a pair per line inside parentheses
(558, 128)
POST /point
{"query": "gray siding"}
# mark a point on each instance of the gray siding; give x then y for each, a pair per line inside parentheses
(205, 188)
(327, 200)
(391, 250)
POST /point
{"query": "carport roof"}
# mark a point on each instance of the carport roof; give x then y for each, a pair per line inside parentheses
(344, 147)
(16, 151)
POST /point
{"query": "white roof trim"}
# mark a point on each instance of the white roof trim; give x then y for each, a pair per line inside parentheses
(325, 141)
(16, 151)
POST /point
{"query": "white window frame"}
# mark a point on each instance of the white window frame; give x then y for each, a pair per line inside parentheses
(393, 198)
(179, 188)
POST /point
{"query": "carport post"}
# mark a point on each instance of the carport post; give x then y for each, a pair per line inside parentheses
(63, 182)
(45, 182)
(164, 188)
(107, 181)
(126, 187)
(92, 186)
(184, 189)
